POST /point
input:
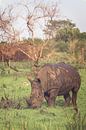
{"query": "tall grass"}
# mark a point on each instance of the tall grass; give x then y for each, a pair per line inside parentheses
(17, 120)
(16, 87)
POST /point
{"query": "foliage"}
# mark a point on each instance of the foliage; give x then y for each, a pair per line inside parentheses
(78, 123)
(37, 41)
(63, 36)
(67, 34)
(82, 36)
(62, 30)
(66, 37)
(62, 46)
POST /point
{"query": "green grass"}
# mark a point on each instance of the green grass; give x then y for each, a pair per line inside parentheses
(17, 87)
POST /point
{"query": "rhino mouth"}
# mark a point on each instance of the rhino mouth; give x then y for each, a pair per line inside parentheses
(32, 105)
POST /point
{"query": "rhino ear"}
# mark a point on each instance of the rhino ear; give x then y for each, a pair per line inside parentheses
(38, 80)
(30, 79)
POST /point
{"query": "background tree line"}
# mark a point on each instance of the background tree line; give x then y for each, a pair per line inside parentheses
(62, 40)
(67, 38)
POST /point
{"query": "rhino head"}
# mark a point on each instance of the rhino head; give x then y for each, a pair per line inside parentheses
(36, 97)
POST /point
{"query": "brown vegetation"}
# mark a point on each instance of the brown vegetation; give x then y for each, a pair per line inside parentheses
(5, 102)
(19, 52)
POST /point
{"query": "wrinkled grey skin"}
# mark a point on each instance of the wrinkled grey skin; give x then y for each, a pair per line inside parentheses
(54, 80)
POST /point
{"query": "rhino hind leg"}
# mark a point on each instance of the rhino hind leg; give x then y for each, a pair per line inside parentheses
(74, 98)
(67, 99)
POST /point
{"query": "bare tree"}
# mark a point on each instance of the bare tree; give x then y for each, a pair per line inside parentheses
(39, 14)
(7, 30)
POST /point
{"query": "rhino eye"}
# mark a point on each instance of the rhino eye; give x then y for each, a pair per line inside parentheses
(38, 80)
(46, 94)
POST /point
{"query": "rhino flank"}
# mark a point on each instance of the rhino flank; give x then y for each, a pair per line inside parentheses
(53, 80)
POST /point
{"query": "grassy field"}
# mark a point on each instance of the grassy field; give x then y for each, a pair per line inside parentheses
(16, 87)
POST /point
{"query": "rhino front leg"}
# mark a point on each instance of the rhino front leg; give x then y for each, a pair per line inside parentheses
(50, 98)
(47, 96)
(51, 101)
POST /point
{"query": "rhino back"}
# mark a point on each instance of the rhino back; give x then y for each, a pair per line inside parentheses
(61, 76)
